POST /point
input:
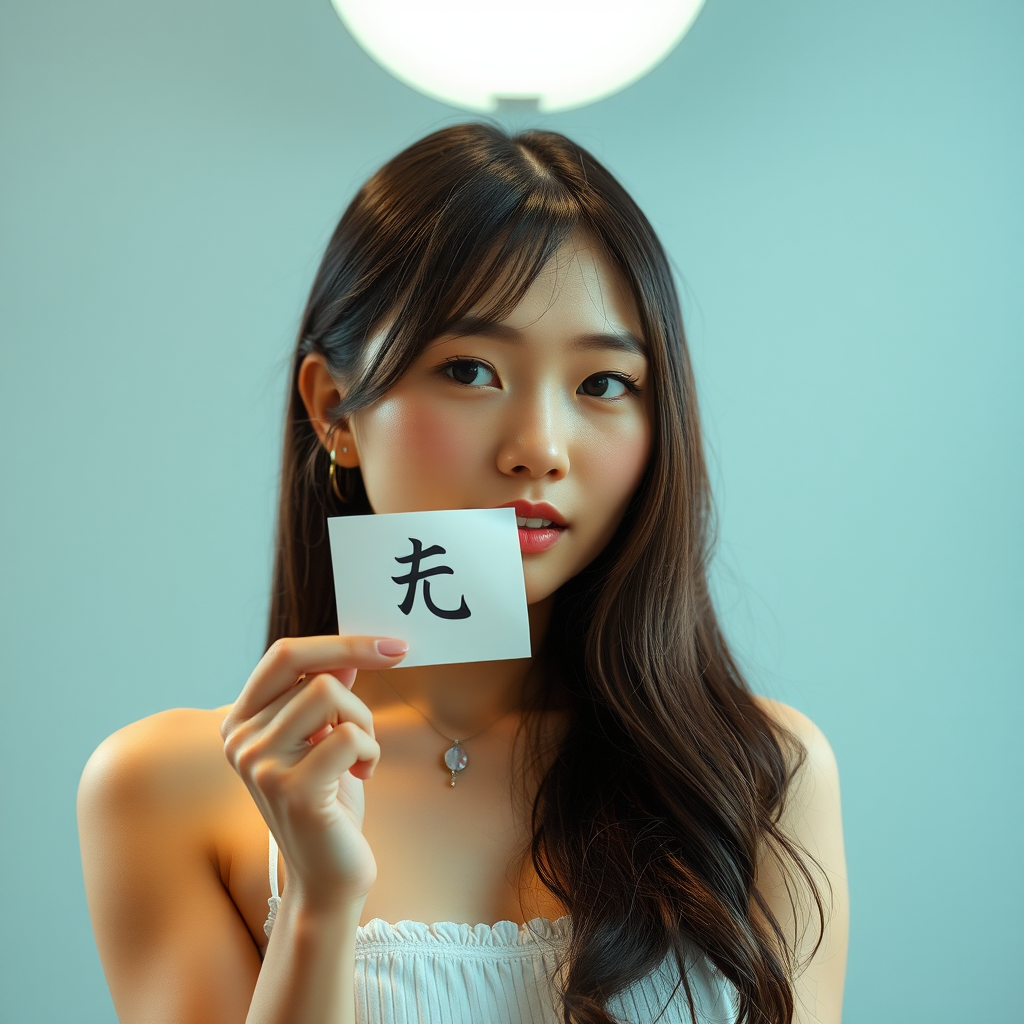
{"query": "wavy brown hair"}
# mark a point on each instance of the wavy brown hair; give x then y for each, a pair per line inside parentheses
(668, 785)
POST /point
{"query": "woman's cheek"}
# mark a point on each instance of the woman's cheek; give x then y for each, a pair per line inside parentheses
(631, 456)
(621, 451)
(436, 437)
(611, 470)
(415, 454)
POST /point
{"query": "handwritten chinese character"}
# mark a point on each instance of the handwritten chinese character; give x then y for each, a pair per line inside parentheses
(416, 574)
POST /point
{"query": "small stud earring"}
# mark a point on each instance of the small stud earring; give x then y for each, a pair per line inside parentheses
(344, 449)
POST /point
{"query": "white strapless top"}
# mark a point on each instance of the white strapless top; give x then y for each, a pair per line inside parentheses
(446, 973)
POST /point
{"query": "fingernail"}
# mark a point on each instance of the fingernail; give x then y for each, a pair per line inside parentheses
(392, 648)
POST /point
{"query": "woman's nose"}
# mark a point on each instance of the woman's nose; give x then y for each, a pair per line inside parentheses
(534, 444)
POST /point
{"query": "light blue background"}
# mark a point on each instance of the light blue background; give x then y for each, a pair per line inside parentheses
(840, 186)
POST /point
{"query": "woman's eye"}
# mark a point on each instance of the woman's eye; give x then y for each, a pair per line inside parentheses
(468, 371)
(606, 385)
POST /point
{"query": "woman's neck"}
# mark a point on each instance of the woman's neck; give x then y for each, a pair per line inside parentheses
(459, 699)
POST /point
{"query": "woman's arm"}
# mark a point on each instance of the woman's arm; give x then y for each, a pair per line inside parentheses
(173, 945)
(172, 942)
(812, 820)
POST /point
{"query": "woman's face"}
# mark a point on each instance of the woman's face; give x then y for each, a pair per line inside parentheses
(551, 405)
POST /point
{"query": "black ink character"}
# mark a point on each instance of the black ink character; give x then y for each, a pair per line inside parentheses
(416, 574)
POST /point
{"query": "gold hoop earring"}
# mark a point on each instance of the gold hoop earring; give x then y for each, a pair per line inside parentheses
(334, 479)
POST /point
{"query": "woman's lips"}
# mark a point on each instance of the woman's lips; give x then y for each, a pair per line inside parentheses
(538, 538)
(539, 523)
(535, 510)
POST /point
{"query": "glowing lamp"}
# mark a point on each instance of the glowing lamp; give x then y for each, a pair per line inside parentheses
(481, 54)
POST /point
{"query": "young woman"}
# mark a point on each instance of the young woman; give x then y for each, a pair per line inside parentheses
(493, 323)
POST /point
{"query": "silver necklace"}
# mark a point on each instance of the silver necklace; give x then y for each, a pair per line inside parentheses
(455, 757)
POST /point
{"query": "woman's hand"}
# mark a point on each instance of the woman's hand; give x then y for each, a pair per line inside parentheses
(303, 743)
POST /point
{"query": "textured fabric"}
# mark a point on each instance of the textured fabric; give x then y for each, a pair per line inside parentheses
(445, 973)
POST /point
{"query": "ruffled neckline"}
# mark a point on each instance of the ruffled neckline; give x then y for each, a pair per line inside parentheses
(502, 935)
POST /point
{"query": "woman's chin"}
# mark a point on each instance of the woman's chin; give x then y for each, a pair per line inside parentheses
(539, 587)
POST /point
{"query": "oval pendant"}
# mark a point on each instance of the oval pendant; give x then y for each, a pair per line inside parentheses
(456, 759)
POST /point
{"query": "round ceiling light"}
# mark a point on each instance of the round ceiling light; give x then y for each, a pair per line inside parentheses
(478, 53)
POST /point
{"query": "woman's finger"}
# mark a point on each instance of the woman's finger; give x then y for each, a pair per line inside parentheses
(339, 751)
(262, 719)
(320, 700)
(290, 657)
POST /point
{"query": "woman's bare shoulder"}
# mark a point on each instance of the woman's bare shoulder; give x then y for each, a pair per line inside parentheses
(812, 820)
(173, 757)
(819, 757)
(158, 806)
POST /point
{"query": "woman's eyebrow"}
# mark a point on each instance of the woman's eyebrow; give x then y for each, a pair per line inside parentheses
(618, 341)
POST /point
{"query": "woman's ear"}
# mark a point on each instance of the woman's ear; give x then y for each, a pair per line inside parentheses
(319, 392)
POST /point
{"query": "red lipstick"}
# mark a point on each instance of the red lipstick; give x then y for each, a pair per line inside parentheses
(534, 539)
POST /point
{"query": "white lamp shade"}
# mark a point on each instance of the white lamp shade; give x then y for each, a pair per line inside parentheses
(562, 53)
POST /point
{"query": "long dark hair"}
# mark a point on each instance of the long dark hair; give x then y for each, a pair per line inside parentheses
(668, 785)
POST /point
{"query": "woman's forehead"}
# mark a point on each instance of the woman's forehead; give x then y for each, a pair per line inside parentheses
(580, 284)
(579, 291)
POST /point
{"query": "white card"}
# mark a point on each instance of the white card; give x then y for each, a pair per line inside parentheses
(450, 583)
